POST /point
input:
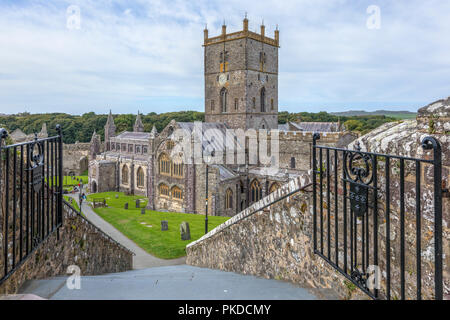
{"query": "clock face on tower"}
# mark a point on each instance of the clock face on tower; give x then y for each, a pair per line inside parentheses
(222, 79)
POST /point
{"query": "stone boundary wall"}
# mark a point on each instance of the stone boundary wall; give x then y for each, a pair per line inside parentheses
(80, 243)
(272, 239)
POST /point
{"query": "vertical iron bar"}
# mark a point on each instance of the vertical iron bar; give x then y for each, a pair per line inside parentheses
(431, 143)
(363, 240)
(316, 137)
(6, 210)
(328, 205)
(21, 202)
(47, 177)
(344, 218)
(43, 194)
(375, 221)
(60, 164)
(321, 201)
(388, 229)
(336, 190)
(27, 214)
(32, 205)
(53, 184)
(418, 234)
(355, 239)
(402, 228)
(14, 206)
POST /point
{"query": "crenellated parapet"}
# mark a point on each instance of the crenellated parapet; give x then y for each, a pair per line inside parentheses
(245, 33)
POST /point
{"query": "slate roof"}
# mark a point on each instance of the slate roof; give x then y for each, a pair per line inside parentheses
(224, 172)
(316, 126)
(213, 133)
(134, 135)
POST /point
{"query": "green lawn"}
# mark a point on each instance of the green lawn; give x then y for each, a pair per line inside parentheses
(69, 181)
(162, 244)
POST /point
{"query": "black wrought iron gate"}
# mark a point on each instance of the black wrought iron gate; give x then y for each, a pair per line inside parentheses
(30, 197)
(378, 219)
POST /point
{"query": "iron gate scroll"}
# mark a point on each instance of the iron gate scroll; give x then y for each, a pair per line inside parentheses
(30, 196)
(360, 231)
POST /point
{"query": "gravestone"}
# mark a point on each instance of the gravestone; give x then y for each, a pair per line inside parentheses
(164, 225)
(142, 210)
(138, 203)
(185, 231)
(117, 196)
(126, 206)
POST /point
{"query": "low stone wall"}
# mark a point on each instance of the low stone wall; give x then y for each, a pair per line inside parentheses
(272, 239)
(80, 243)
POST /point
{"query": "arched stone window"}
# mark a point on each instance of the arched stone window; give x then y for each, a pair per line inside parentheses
(292, 163)
(272, 107)
(223, 99)
(140, 177)
(164, 164)
(274, 187)
(236, 104)
(177, 169)
(163, 190)
(263, 100)
(255, 191)
(177, 193)
(125, 173)
(229, 199)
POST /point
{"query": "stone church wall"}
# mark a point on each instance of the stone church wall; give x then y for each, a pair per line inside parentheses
(81, 244)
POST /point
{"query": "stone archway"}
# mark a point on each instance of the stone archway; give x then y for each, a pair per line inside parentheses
(94, 188)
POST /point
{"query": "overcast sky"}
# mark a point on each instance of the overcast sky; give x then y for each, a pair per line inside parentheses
(148, 56)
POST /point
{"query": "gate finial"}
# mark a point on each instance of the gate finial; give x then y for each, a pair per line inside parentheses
(316, 136)
(3, 133)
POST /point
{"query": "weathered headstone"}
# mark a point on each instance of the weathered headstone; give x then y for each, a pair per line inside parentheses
(126, 206)
(185, 231)
(117, 196)
(138, 203)
(142, 210)
(164, 225)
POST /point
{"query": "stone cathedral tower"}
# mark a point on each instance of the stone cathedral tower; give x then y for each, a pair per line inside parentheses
(241, 78)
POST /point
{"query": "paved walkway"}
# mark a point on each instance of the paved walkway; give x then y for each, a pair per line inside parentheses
(142, 258)
(173, 282)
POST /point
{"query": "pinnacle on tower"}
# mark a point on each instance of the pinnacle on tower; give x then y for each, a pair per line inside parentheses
(245, 23)
(154, 132)
(110, 130)
(110, 119)
(138, 125)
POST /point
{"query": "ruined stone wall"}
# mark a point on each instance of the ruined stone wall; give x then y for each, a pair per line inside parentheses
(102, 176)
(80, 243)
(76, 157)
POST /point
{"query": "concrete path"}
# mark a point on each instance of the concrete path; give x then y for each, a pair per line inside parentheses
(142, 258)
(172, 282)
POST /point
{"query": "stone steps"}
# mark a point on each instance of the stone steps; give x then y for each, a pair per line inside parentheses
(180, 282)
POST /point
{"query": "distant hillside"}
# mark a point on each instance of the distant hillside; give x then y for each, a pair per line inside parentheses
(80, 128)
(394, 114)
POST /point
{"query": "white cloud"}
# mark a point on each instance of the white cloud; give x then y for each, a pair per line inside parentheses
(148, 54)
